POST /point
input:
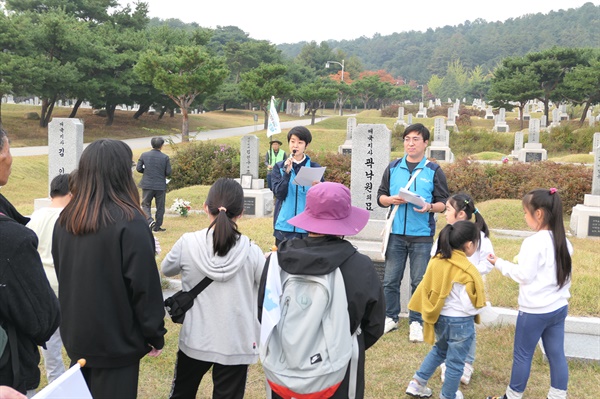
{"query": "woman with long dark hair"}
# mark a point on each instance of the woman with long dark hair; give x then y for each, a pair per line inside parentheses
(109, 287)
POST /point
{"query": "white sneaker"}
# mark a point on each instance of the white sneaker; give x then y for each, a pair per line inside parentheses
(417, 390)
(416, 332)
(443, 371)
(459, 395)
(390, 325)
(467, 373)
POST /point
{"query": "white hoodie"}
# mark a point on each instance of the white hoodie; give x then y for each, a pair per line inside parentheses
(222, 325)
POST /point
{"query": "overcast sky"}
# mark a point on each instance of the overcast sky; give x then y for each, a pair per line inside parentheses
(308, 20)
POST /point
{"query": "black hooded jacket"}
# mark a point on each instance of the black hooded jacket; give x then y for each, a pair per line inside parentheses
(364, 292)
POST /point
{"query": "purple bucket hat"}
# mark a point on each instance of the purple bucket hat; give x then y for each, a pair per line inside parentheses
(329, 211)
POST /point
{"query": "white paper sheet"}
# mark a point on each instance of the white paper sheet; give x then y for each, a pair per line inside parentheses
(411, 197)
(306, 176)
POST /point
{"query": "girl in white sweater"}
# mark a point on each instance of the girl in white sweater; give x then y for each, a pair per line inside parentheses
(544, 277)
(221, 330)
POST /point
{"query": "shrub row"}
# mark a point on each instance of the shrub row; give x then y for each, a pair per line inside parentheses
(204, 162)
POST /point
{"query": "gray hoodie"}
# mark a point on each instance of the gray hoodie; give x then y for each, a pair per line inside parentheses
(222, 326)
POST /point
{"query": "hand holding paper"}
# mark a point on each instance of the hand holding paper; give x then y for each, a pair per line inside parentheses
(306, 176)
(411, 197)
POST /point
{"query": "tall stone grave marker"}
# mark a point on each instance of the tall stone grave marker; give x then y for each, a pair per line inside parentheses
(585, 218)
(590, 118)
(400, 121)
(518, 144)
(422, 111)
(371, 155)
(346, 148)
(533, 150)
(65, 145)
(258, 200)
(526, 114)
(500, 125)
(489, 113)
(439, 147)
(595, 142)
(451, 121)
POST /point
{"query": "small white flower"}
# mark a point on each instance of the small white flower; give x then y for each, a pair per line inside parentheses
(181, 206)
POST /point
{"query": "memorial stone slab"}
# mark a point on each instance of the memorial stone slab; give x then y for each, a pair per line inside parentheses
(249, 156)
(65, 145)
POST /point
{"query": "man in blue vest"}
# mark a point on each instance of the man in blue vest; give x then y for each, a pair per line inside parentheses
(273, 156)
(413, 228)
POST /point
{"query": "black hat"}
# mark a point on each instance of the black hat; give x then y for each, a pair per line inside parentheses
(275, 141)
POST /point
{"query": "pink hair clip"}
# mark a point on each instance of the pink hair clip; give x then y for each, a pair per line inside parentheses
(553, 190)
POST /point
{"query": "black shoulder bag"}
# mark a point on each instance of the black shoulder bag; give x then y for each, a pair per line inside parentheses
(182, 301)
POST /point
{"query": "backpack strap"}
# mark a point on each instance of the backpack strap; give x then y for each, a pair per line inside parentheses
(200, 286)
(353, 376)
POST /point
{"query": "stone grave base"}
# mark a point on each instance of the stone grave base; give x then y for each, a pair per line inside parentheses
(346, 148)
(258, 203)
(441, 154)
(532, 154)
(501, 128)
(585, 218)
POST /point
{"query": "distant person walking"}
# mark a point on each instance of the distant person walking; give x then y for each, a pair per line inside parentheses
(274, 155)
(155, 166)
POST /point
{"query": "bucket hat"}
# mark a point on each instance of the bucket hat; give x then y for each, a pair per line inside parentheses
(329, 211)
(275, 141)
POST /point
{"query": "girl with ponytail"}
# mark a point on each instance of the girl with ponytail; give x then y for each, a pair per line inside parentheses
(221, 330)
(544, 277)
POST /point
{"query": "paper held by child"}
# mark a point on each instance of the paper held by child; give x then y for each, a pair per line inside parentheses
(411, 197)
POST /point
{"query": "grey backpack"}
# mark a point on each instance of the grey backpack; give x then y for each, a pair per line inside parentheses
(308, 351)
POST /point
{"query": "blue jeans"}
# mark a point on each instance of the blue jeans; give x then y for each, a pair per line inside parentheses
(396, 255)
(454, 336)
(550, 327)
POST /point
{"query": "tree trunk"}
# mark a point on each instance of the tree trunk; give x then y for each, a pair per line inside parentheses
(224, 107)
(583, 114)
(141, 110)
(75, 108)
(162, 113)
(110, 114)
(47, 108)
(521, 110)
(313, 114)
(266, 124)
(185, 126)
(172, 112)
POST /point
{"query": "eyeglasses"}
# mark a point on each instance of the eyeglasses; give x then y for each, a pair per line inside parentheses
(413, 139)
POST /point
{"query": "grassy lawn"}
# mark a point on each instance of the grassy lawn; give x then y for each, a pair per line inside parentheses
(393, 360)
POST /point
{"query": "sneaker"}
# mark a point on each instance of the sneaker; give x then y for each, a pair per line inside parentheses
(417, 390)
(158, 229)
(152, 224)
(416, 332)
(467, 373)
(459, 395)
(390, 325)
(443, 371)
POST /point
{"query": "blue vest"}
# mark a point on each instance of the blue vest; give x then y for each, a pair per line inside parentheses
(407, 221)
(294, 203)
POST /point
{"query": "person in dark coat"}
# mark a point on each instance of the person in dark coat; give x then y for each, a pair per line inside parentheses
(109, 287)
(155, 167)
(29, 311)
(328, 217)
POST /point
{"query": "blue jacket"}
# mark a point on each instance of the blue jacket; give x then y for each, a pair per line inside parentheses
(429, 184)
(290, 198)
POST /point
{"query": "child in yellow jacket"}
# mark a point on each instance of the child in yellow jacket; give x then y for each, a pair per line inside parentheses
(449, 299)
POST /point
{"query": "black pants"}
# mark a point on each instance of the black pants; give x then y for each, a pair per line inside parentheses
(112, 383)
(229, 382)
(159, 199)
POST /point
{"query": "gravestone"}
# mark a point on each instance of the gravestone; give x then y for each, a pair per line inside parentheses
(346, 148)
(500, 125)
(564, 116)
(543, 122)
(489, 114)
(533, 150)
(526, 114)
(371, 156)
(65, 145)
(258, 200)
(595, 142)
(451, 121)
(590, 118)
(555, 118)
(518, 144)
(422, 111)
(400, 121)
(585, 218)
(410, 119)
(439, 147)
